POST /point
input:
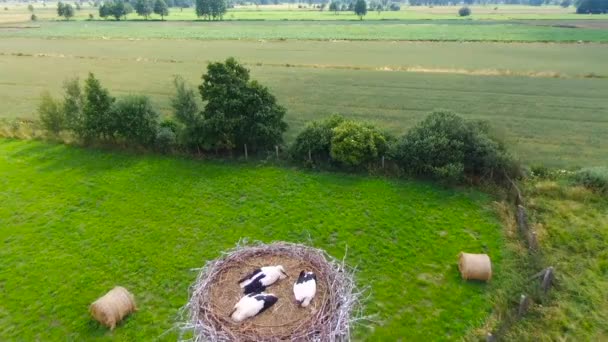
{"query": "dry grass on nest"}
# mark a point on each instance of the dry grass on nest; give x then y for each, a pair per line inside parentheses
(329, 317)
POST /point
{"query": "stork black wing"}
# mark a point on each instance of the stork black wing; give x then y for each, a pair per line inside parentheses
(249, 276)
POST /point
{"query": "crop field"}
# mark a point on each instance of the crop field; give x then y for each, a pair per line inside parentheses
(82, 221)
(537, 95)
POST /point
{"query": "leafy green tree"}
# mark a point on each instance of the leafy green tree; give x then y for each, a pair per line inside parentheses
(143, 8)
(60, 9)
(186, 112)
(30, 8)
(118, 9)
(68, 11)
(203, 8)
(73, 103)
(160, 8)
(239, 110)
(170, 3)
(334, 7)
(105, 10)
(50, 114)
(360, 8)
(592, 7)
(134, 120)
(128, 10)
(218, 8)
(77, 6)
(464, 12)
(355, 144)
(97, 123)
(566, 3)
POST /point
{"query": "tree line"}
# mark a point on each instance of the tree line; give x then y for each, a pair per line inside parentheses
(234, 114)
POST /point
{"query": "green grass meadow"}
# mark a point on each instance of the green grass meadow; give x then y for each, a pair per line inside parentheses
(423, 30)
(536, 95)
(77, 222)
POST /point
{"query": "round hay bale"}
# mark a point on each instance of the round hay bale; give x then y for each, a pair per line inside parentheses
(328, 318)
(475, 266)
(113, 307)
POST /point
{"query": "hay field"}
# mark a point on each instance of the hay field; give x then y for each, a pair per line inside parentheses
(82, 221)
(548, 111)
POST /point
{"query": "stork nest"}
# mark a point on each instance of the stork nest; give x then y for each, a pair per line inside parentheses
(329, 317)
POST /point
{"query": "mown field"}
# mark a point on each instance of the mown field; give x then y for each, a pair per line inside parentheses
(557, 121)
(77, 222)
(452, 30)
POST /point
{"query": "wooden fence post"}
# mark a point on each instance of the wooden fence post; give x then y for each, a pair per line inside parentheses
(383, 162)
(276, 149)
(524, 305)
(246, 155)
(309, 156)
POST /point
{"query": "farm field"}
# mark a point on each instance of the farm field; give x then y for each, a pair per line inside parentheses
(19, 13)
(452, 30)
(558, 121)
(82, 221)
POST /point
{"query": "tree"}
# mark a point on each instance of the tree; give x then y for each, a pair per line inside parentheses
(536, 2)
(239, 111)
(186, 111)
(50, 114)
(464, 12)
(30, 8)
(143, 8)
(566, 3)
(118, 9)
(160, 8)
(68, 11)
(334, 7)
(203, 9)
(360, 8)
(105, 10)
(592, 7)
(60, 9)
(218, 8)
(73, 103)
(170, 3)
(96, 110)
(134, 120)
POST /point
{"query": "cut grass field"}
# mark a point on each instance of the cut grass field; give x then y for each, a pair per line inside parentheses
(77, 222)
(557, 121)
(451, 30)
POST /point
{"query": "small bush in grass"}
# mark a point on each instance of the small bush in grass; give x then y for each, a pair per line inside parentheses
(51, 114)
(166, 138)
(464, 12)
(134, 120)
(91, 16)
(33, 17)
(448, 147)
(594, 178)
(316, 139)
(355, 144)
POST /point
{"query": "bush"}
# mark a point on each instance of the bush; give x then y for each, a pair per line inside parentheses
(355, 144)
(33, 17)
(395, 7)
(91, 16)
(445, 146)
(134, 120)
(166, 139)
(566, 3)
(51, 114)
(592, 6)
(316, 139)
(594, 178)
(464, 12)
(96, 121)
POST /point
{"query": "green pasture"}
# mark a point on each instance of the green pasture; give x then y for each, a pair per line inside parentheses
(454, 30)
(557, 121)
(77, 222)
(18, 12)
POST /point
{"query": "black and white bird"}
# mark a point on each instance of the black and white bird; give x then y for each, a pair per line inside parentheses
(305, 288)
(251, 305)
(259, 279)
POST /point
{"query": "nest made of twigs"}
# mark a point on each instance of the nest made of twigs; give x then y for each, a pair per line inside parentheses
(328, 318)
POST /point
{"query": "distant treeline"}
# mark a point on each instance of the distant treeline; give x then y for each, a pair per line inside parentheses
(240, 116)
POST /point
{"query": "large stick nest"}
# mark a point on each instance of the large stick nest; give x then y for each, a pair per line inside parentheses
(329, 317)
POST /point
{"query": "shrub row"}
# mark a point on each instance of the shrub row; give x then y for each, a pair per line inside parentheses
(239, 112)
